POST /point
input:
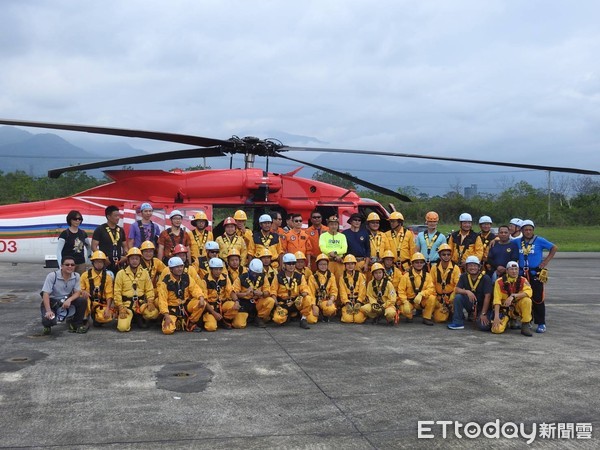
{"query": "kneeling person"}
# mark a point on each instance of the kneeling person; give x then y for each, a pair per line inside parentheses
(512, 300)
(221, 302)
(97, 289)
(381, 296)
(353, 292)
(323, 287)
(252, 291)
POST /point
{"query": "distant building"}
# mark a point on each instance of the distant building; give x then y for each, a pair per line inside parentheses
(471, 192)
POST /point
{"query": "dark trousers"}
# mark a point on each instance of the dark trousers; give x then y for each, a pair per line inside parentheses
(80, 305)
(538, 306)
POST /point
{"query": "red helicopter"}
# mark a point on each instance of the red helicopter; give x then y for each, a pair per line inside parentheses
(29, 231)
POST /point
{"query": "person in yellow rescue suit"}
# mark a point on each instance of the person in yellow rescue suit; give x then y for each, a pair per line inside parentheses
(465, 242)
(234, 266)
(402, 241)
(512, 300)
(265, 257)
(292, 294)
(352, 292)
(199, 236)
(416, 288)
(302, 266)
(97, 289)
(151, 264)
(134, 293)
(253, 293)
(211, 251)
(240, 218)
(445, 275)
(486, 236)
(265, 238)
(381, 297)
(378, 241)
(182, 251)
(181, 300)
(221, 302)
(323, 288)
(231, 240)
(390, 269)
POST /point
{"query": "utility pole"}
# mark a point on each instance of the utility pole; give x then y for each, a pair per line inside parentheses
(549, 193)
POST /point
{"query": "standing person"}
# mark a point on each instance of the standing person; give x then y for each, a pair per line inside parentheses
(514, 227)
(73, 241)
(61, 293)
(97, 290)
(486, 236)
(266, 239)
(533, 267)
(445, 275)
(200, 235)
(144, 229)
(296, 240)
(231, 240)
(473, 292)
(429, 241)
(314, 233)
(276, 222)
(240, 218)
(358, 242)
(170, 237)
(465, 242)
(377, 239)
(133, 288)
(512, 300)
(501, 252)
(402, 241)
(110, 238)
(334, 245)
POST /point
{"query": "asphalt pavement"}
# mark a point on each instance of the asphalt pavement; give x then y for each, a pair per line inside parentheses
(333, 386)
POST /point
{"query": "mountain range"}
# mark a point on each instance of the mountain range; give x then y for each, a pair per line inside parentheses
(35, 154)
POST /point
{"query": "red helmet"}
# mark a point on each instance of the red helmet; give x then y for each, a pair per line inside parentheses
(180, 248)
(229, 221)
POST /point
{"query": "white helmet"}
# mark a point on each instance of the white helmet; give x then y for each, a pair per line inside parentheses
(212, 245)
(527, 222)
(174, 213)
(465, 217)
(515, 221)
(512, 264)
(485, 219)
(472, 260)
(265, 218)
(256, 266)
(175, 261)
(289, 258)
(215, 263)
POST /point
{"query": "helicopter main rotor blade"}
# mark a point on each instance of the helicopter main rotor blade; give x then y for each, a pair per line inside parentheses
(352, 178)
(153, 157)
(154, 135)
(442, 158)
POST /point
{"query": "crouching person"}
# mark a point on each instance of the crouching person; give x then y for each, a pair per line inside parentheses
(416, 291)
(61, 298)
(221, 302)
(353, 292)
(181, 300)
(512, 300)
(381, 296)
(134, 293)
(252, 290)
(97, 289)
(292, 293)
(473, 294)
(323, 287)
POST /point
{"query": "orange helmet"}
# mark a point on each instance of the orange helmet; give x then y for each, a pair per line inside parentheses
(432, 216)
(229, 221)
(180, 248)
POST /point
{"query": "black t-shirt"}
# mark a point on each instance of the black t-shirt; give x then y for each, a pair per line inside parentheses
(74, 245)
(110, 241)
(485, 286)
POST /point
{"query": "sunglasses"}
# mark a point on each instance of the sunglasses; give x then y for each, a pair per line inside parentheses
(298, 221)
(69, 265)
(316, 217)
(77, 218)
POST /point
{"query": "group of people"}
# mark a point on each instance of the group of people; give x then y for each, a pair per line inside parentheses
(189, 280)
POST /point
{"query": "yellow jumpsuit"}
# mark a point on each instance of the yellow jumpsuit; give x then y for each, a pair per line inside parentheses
(394, 275)
(269, 241)
(189, 269)
(381, 300)
(155, 268)
(182, 299)
(308, 274)
(290, 301)
(379, 244)
(416, 290)
(246, 234)
(92, 282)
(402, 243)
(219, 297)
(198, 241)
(133, 294)
(228, 243)
(261, 305)
(353, 293)
(444, 282)
(323, 287)
(519, 309)
(464, 246)
(234, 274)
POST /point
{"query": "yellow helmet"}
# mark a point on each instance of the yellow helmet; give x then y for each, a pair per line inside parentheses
(234, 252)
(299, 255)
(147, 245)
(373, 216)
(98, 254)
(200, 215)
(388, 254)
(134, 251)
(264, 252)
(396, 216)
(240, 215)
(443, 247)
(417, 256)
(322, 257)
(432, 216)
(377, 266)
(350, 259)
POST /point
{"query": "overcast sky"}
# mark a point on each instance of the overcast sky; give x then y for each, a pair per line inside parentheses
(516, 80)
